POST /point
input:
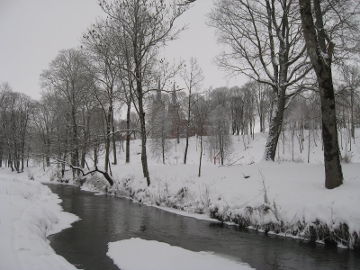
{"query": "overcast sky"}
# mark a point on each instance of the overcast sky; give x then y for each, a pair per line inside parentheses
(33, 31)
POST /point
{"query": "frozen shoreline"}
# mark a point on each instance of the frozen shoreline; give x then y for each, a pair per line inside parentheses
(29, 213)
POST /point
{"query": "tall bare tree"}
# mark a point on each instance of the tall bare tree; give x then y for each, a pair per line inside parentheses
(192, 77)
(99, 43)
(320, 43)
(146, 25)
(69, 77)
(265, 43)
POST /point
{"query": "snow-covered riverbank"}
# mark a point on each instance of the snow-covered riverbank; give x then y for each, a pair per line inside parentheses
(29, 212)
(287, 198)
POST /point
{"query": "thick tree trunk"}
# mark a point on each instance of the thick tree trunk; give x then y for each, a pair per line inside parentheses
(275, 128)
(320, 54)
(333, 171)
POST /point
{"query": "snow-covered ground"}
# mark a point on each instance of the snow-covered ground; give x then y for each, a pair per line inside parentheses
(29, 212)
(161, 256)
(287, 197)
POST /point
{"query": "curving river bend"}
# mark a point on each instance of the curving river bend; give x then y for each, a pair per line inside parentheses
(107, 219)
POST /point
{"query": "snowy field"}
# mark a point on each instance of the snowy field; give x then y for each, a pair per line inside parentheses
(161, 256)
(29, 212)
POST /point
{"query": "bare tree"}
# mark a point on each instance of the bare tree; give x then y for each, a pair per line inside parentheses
(201, 115)
(264, 43)
(159, 127)
(99, 43)
(349, 90)
(68, 76)
(192, 77)
(16, 109)
(146, 25)
(320, 49)
(219, 133)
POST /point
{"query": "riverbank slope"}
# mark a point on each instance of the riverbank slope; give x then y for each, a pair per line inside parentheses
(29, 212)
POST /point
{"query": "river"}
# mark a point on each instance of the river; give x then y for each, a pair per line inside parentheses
(107, 219)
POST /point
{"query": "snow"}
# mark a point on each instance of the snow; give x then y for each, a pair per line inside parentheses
(29, 212)
(187, 214)
(286, 197)
(295, 194)
(156, 255)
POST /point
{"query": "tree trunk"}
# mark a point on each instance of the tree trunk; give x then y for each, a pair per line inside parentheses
(1, 154)
(128, 133)
(352, 115)
(75, 149)
(107, 140)
(187, 127)
(262, 129)
(86, 140)
(143, 144)
(143, 135)
(186, 147)
(320, 55)
(96, 154)
(201, 154)
(47, 150)
(333, 171)
(113, 137)
(275, 127)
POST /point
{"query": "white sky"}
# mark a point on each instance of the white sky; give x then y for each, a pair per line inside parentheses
(33, 31)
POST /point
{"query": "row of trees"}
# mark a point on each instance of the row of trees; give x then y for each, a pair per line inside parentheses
(47, 131)
(285, 52)
(291, 45)
(15, 110)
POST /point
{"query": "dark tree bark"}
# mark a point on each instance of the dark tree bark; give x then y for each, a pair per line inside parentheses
(201, 154)
(74, 142)
(113, 137)
(107, 140)
(320, 51)
(128, 133)
(143, 140)
(188, 124)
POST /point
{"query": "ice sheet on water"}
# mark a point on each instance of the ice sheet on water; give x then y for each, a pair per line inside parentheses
(136, 254)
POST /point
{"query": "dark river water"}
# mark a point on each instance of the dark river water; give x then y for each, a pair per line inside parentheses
(107, 219)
